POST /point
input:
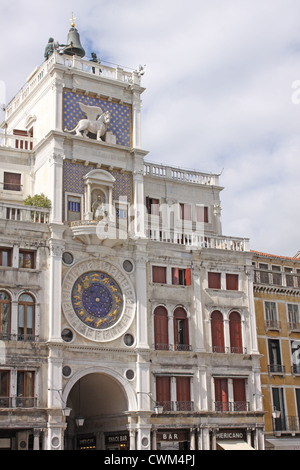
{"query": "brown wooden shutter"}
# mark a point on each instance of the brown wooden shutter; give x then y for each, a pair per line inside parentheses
(202, 214)
(217, 332)
(214, 280)
(232, 282)
(159, 274)
(235, 333)
(239, 394)
(221, 394)
(183, 392)
(163, 391)
(161, 335)
(12, 181)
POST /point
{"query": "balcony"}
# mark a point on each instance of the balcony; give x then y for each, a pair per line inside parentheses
(18, 402)
(173, 406)
(235, 406)
(180, 175)
(270, 280)
(288, 424)
(276, 369)
(172, 347)
(16, 141)
(198, 241)
(21, 213)
(229, 350)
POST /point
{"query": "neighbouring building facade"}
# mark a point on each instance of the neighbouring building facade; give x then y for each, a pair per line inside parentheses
(277, 302)
(127, 318)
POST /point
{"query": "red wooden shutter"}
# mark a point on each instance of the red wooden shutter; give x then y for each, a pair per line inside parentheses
(161, 335)
(187, 275)
(217, 332)
(221, 394)
(183, 392)
(214, 280)
(239, 394)
(235, 333)
(163, 392)
(232, 282)
(159, 274)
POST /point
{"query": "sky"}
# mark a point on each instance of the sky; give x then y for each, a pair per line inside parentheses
(222, 91)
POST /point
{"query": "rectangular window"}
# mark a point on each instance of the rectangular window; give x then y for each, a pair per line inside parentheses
(232, 282)
(276, 275)
(214, 280)
(73, 208)
(152, 205)
(25, 389)
(185, 212)
(159, 274)
(183, 394)
(221, 394)
(264, 274)
(4, 388)
(278, 405)
(271, 313)
(293, 315)
(26, 259)
(181, 277)
(5, 256)
(239, 394)
(275, 365)
(12, 181)
(163, 392)
(202, 214)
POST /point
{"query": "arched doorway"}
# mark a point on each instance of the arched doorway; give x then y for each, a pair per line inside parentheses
(101, 403)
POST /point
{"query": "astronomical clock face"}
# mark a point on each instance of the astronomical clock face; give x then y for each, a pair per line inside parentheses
(98, 300)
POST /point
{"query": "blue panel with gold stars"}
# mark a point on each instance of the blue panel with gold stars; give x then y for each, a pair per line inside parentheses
(97, 300)
(120, 120)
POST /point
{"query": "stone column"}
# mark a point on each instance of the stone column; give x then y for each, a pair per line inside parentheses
(132, 439)
(199, 325)
(136, 121)
(55, 274)
(141, 301)
(55, 185)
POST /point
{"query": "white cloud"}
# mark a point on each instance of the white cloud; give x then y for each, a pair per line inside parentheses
(219, 86)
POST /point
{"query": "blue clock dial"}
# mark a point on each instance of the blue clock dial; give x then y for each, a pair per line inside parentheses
(97, 299)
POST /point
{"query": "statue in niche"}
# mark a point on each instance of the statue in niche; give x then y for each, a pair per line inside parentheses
(96, 122)
(98, 209)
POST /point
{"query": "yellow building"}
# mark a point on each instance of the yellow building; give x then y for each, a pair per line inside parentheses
(277, 306)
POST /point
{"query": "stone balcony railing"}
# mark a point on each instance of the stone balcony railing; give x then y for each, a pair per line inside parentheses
(83, 65)
(16, 141)
(21, 213)
(180, 175)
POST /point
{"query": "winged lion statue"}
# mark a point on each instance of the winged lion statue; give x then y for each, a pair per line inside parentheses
(96, 122)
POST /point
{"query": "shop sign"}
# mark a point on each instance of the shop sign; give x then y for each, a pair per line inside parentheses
(116, 439)
(231, 434)
(167, 436)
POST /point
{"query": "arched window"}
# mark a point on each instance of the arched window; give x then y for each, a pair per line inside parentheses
(181, 330)
(5, 309)
(161, 336)
(217, 332)
(235, 333)
(26, 317)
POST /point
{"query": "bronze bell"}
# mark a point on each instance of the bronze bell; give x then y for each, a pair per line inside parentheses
(74, 46)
